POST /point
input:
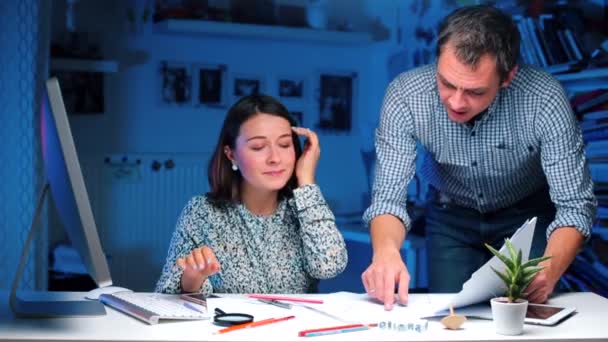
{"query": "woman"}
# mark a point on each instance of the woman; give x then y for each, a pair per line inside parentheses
(264, 227)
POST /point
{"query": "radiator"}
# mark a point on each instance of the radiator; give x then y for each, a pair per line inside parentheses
(136, 202)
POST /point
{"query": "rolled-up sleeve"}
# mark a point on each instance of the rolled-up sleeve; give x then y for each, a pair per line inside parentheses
(565, 166)
(395, 155)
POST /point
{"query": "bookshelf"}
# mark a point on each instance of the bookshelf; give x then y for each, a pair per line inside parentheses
(589, 99)
(249, 31)
(585, 80)
(555, 40)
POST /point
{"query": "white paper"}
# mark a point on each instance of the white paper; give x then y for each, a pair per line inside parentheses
(484, 284)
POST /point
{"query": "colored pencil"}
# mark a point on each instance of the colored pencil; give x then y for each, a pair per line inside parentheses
(286, 299)
(253, 324)
(335, 330)
(276, 303)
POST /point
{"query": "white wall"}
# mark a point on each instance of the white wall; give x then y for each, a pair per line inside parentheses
(136, 122)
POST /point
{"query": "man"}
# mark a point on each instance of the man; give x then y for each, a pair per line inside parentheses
(502, 145)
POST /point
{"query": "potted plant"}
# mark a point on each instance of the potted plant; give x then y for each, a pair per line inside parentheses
(509, 312)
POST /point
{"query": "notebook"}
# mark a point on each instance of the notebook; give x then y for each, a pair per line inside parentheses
(152, 307)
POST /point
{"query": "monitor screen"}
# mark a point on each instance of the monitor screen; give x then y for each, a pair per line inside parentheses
(64, 178)
(63, 173)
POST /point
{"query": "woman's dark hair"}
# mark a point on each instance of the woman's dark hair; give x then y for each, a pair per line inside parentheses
(476, 30)
(223, 181)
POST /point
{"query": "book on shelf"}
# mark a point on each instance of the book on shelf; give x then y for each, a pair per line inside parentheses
(574, 43)
(589, 101)
(569, 66)
(597, 149)
(587, 125)
(595, 115)
(602, 212)
(599, 172)
(548, 43)
(599, 102)
(596, 134)
(590, 126)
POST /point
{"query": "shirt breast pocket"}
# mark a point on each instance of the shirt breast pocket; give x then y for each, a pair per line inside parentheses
(507, 159)
(452, 163)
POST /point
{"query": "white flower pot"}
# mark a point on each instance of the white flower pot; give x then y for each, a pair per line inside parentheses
(509, 317)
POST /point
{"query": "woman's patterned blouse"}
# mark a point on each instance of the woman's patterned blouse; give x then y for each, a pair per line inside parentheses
(286, 252)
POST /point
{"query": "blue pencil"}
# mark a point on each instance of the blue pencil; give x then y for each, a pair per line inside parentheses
(192, 307)
(337, 331)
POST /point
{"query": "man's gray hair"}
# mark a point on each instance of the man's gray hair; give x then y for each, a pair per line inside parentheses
(474, 31)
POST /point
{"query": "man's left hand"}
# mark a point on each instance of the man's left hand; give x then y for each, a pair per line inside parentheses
(541, 287)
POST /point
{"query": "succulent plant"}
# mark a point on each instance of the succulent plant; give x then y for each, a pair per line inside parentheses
(517, 275)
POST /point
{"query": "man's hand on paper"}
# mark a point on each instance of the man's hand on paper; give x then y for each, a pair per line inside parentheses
(379, 279)
(563, 245)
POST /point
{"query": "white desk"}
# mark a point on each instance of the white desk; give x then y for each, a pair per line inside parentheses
(589, 324)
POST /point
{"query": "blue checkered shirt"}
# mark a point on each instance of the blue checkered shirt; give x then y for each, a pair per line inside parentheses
(528, 138)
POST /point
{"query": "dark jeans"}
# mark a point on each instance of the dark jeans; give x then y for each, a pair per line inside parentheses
(456, 236)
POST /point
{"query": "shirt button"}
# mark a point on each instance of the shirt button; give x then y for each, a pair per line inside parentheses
(473, 133)
(474, 163)
(480, 195)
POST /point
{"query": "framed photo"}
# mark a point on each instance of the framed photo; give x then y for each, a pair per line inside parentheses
(82, 91)
(298, 115)
(175, 83)
(211, 84)
(291, 87)
(336, 95)
(243, 85)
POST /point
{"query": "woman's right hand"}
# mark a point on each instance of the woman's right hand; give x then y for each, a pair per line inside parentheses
(197, 266)
(307, 164)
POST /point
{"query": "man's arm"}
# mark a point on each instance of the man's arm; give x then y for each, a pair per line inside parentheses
(387, 214)
(563, 245)
(570, 186)
(387, 267)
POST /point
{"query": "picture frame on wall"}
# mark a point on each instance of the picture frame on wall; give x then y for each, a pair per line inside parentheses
(291, 87)
(83, 92)
(336, 98)
(243, 85)
(175, 83)
(211, 85)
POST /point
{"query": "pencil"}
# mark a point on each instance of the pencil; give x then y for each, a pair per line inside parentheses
(276, 303)
(303, 332)
(253, 324)
(286, 299)
(335, 330)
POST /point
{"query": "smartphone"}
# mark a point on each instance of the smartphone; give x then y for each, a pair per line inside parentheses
(544, 314)
(197, 298)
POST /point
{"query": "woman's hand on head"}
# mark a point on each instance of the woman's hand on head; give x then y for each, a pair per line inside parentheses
(199, 264)
(307, 164)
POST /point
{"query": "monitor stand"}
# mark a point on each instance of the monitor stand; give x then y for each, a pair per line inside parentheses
(47, 304)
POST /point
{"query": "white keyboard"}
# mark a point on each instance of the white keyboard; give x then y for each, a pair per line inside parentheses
(151, 307)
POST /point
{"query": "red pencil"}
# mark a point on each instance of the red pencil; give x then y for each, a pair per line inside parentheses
(339, 327)
(286, 299)
(253, 324)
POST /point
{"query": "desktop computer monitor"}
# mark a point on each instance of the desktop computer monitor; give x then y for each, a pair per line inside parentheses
(64, 177)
